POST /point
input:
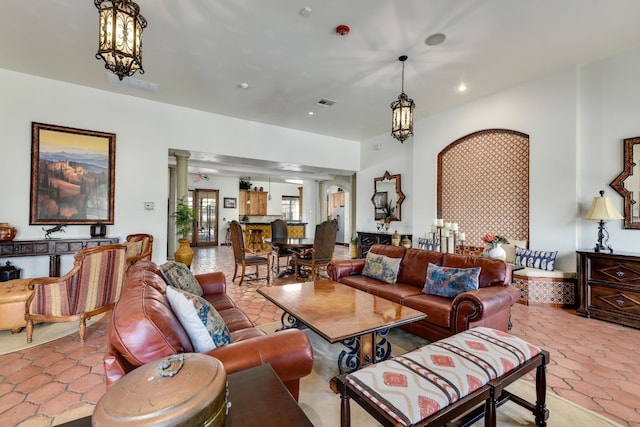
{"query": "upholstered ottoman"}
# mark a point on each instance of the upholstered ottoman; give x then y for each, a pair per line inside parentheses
(13, 297)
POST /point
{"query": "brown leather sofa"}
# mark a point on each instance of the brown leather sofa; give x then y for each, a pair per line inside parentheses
(490, 305)
(143, 329)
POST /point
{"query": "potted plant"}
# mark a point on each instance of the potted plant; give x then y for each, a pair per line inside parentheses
(389, 212)
(183, 217)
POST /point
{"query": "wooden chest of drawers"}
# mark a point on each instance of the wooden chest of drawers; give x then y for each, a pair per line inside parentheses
(610, 287)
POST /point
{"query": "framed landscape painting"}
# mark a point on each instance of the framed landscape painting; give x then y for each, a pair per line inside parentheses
(72, 175)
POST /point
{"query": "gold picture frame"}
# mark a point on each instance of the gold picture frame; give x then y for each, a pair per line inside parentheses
(72, 175)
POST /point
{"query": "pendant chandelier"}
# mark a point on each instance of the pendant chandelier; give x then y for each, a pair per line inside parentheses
(402, 118)
(120, 36)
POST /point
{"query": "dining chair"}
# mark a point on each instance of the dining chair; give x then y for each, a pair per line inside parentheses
(324, 243)
(139, 247)
(279, 230)
(244, 256)
(91, 287)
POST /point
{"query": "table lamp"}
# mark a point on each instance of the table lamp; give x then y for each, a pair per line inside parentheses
(602, 210)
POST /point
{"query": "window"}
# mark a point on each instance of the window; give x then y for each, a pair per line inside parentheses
(291, 208)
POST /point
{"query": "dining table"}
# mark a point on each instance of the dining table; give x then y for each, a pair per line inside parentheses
(295, 245)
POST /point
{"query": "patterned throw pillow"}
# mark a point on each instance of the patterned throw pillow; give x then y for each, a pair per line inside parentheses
(179, 276)
(542, 260)
(449, 282)
(201, 321)
(381, 267)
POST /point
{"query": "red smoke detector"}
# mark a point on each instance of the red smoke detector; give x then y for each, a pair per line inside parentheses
(343, 30)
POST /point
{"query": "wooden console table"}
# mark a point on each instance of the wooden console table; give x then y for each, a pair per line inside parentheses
(610, 287)
(366, 240)
(51, 247)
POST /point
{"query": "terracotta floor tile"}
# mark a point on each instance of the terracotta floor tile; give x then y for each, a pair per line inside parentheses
(86, 383)
(23, 374)
(9, 400)
(34, 383)
(18, 413)
(620, 410)
(47, 392)
(61, 403)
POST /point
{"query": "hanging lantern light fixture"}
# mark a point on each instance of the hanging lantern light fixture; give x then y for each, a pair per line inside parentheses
(402, 112)
(120, 36)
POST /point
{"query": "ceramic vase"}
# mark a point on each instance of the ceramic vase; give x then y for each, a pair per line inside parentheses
(7, 232)
(497, 252)
(184, 253)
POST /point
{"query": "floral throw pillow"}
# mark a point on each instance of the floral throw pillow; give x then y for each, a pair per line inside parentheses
(381, 267)
(179, 276)
(201, 321)
(448, 281)
(542, 260)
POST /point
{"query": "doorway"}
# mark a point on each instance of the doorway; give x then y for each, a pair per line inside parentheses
(205, 204)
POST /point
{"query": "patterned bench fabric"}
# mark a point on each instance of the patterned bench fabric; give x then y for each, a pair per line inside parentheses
(418, 384)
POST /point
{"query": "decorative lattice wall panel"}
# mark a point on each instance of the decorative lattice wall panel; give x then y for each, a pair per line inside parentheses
(483, 184)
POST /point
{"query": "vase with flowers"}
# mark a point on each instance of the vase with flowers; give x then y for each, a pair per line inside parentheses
(493, 248)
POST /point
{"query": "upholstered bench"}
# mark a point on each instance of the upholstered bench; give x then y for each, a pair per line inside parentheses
(464, 374)
(13, 298)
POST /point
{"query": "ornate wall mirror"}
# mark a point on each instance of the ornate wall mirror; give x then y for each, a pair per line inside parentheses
(627, 184)
(387, 197)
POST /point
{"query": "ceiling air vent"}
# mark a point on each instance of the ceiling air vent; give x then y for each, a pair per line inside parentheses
(326, 102)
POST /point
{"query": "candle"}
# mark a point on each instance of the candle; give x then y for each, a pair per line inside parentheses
(454, 226)
(440, 222)
(446, 233)
(447, 225)
(435, 222)
(434, 228)
(461, 237)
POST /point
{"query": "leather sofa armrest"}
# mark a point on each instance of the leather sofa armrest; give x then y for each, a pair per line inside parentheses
(474, 305)
(212, 283)
(289, 352)
(343, 268)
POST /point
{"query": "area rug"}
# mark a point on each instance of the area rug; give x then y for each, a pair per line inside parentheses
(42, 333)
(322, 406)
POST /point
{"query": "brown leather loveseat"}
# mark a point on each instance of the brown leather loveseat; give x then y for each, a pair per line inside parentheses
(490, 305)
(143, 329)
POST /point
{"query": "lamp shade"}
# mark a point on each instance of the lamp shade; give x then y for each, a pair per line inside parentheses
(602, 209)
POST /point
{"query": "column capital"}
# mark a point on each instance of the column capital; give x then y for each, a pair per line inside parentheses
(180, 154)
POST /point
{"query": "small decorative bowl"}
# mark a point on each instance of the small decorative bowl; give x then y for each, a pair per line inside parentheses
(7, 232)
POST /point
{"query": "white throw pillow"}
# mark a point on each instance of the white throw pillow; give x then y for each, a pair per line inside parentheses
(201, 321)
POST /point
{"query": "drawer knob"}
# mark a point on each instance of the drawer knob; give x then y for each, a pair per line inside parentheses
(620, 302)
(619, 273)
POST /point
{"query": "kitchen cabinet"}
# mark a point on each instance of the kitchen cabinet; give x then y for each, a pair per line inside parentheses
(252, 202)
(609, 284)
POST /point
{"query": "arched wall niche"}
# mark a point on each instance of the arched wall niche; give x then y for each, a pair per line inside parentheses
(483, 184)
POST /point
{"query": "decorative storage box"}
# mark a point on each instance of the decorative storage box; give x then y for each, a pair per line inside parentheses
(9, 272)
(183, 389)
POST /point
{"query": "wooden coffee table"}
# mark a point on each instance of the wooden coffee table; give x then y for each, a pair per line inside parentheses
(340, 313)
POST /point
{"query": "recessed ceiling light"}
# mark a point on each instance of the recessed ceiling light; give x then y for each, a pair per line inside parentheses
(311, 113)
(462, 87)
(243, 85)
(435, 39)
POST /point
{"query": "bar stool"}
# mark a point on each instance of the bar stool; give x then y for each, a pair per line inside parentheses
(255, 239)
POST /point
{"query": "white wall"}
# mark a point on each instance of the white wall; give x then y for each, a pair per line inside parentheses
(145, 130)
(576, 120)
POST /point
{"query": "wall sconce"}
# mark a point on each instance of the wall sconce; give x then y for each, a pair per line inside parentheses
(120, 36)
(602, 210)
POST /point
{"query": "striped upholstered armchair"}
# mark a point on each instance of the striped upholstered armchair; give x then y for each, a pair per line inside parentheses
(92, 287)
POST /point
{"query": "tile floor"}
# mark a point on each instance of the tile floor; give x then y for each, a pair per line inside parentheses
(593, 363)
